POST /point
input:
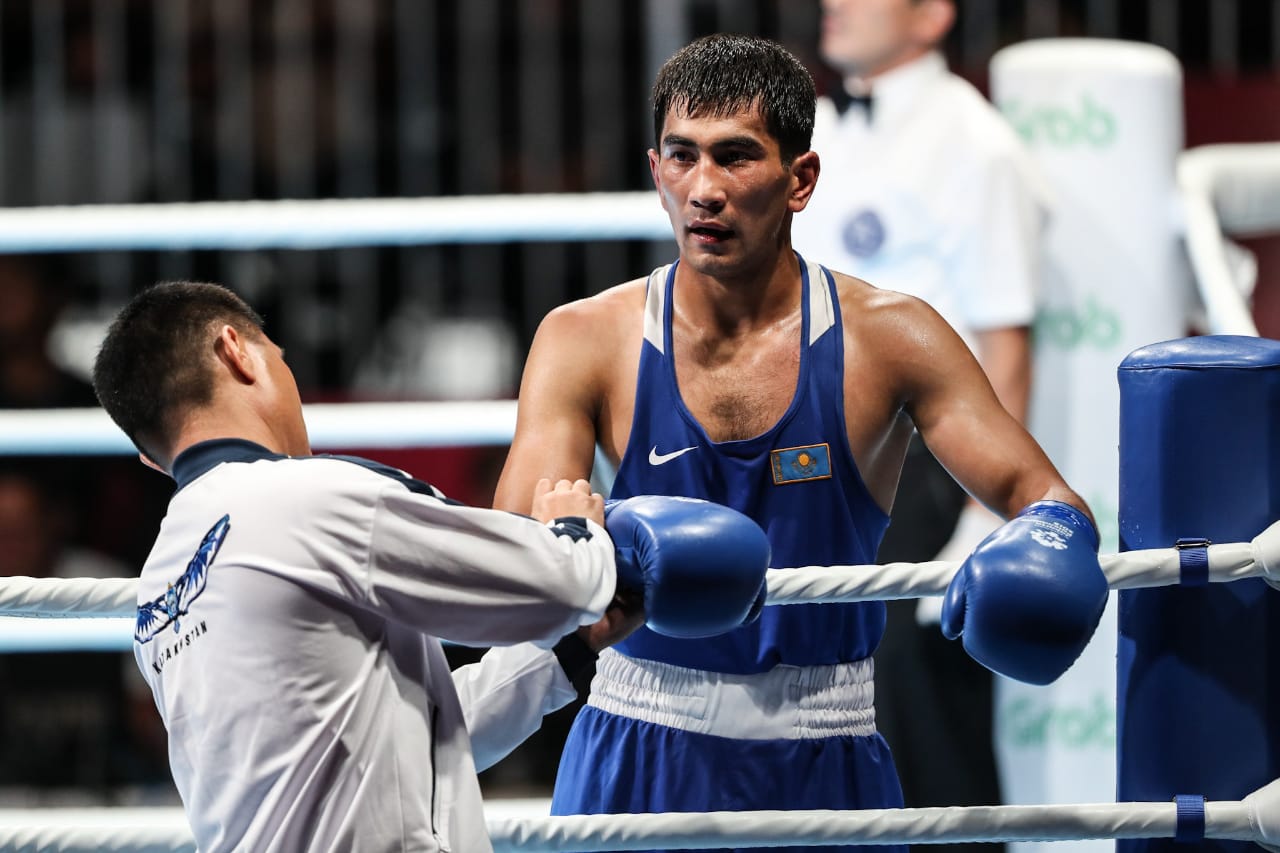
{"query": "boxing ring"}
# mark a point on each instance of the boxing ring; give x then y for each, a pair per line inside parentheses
(1256, 818)
(1188, 818)
(110, 605)
(83, 613)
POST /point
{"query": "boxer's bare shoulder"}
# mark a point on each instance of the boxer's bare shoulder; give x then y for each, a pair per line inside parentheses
(578, 382)
(593, 330)
(894, 340)
(593, 343)
(903, 367)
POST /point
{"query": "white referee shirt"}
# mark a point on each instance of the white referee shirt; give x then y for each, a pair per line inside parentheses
(934, 197)
(287, 624)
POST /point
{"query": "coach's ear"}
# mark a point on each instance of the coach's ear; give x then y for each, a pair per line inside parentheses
(151, 463)
(233, 350)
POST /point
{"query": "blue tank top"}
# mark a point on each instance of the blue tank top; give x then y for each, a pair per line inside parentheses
(798, 480)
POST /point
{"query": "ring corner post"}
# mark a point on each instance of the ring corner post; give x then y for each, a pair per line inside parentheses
(1198, 669)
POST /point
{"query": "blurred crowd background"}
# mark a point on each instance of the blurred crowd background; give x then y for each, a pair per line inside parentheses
(123, 101)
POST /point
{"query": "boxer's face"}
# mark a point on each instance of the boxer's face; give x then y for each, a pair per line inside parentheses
(727, 191)
(867, 37)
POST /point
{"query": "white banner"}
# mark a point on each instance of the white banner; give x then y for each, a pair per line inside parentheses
(1104, 121)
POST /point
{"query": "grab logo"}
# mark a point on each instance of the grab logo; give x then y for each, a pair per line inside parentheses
(1086, 123)
(1070, 327)
(1082, 724)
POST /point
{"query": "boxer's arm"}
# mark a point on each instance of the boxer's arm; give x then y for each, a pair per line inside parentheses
(1030, 596)
(958, 415)
(1005, 356)
(560, 394)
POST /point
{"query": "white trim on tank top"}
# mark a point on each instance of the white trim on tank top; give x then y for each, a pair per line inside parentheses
(821, 312)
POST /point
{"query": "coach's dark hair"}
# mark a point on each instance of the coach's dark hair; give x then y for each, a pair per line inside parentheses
(719, 75)
(154, 361)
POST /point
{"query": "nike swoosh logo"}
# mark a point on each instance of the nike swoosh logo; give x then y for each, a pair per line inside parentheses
(656, 458)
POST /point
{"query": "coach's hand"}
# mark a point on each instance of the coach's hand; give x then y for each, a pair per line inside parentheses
(699, 566)
(566, 499)
(1028, 599)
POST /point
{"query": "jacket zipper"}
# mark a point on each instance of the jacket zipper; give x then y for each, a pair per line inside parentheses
(435, 775)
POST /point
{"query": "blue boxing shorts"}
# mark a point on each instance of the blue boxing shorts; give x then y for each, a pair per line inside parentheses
(660, 738)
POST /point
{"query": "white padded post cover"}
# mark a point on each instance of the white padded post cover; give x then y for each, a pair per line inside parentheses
(1104, 121)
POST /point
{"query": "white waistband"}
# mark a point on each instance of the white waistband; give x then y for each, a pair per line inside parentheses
(785, 703)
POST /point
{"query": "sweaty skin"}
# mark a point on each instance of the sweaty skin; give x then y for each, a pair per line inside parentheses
(736, 337)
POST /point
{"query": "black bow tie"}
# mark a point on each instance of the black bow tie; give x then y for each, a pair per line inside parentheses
(843, 100)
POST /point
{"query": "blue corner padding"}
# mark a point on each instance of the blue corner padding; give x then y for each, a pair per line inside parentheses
(1198, 667)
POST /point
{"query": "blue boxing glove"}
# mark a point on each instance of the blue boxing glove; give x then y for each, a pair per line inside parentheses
(700, 565)
(1027, 600)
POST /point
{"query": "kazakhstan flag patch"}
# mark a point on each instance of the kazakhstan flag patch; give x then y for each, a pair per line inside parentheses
(799, 464)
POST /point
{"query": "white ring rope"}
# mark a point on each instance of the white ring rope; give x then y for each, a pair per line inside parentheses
(69, 598)
(332, 223)
(1255, 818)
(88, 431)
(1127, 570)
(117, 597)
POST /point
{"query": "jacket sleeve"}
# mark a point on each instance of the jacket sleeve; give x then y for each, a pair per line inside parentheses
(484, 577)
(506, 694)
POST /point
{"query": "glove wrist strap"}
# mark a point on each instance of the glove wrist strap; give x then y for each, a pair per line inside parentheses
(1066, 514)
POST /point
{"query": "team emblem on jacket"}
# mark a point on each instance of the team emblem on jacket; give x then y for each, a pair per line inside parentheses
(166, 609)
(864, 234)
(800, 464)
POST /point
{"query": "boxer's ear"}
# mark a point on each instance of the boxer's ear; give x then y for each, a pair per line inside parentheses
(804, 177)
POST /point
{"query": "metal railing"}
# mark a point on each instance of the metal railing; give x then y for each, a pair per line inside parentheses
(182, 100)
